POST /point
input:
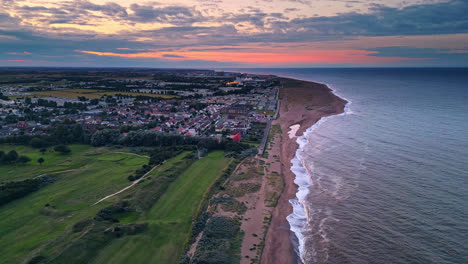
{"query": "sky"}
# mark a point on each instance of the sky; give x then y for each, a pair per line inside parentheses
(234, 33)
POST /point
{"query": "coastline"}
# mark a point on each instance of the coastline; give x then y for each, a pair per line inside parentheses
(303, 103)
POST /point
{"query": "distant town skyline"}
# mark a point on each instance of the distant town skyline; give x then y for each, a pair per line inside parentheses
(222, 33)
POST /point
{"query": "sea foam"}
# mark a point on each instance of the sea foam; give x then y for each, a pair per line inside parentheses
(298, 219)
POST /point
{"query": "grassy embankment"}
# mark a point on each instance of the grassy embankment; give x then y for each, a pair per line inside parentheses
(29, 228)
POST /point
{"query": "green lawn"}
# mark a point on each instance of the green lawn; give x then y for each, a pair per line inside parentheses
(27, 226)
(170, 218)
(53, 161)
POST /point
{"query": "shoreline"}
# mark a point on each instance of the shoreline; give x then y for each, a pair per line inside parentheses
(303, 103)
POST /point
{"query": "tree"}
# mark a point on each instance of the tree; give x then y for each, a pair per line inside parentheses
(62, 149)
(61, 133)
(104, 137)
(10, 157)
(38, 143)
(43, 150)
(78, 133)
(40, 160)
(24, 159)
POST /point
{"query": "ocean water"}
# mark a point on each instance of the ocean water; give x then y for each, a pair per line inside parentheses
(387, 181)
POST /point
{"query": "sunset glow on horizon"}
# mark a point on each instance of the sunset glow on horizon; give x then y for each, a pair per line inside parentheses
(266, 33)
(265, 58)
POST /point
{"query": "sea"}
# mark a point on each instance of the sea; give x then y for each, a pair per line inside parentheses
(386, 181)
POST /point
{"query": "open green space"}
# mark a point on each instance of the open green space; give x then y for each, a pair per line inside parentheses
(58, 221)
(170, 218)
(29, 223)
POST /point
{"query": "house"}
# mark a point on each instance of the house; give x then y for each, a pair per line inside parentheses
(22, 124)
(237, 137)
(236, 110)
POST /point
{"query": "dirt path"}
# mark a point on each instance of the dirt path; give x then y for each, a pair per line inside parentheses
(128, 187)
(55, 172)
(254, 225)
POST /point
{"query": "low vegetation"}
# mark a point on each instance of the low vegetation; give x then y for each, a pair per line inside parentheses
(232, 205)
(220, 242)
(242, 189)
(45, 209)
(11, 191)
(169, 217)
(59, 221)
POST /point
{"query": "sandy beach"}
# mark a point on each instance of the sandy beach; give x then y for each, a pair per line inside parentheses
(302, 105)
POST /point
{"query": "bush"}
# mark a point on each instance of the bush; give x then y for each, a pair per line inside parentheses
(14, 190)
(38, 143)
(230, 204)
(62, 149)
(10, 157)
(219, 242)
(221, 227)
(109, 213)
(79, 226)
(243, 189)
(200, 224)
(24, 159)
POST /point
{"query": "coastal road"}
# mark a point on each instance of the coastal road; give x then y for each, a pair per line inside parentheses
(262, 146)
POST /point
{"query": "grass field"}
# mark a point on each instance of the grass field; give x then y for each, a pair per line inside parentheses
(92, 93)
(26, 225)
(170, 218)
(54, 161)
(28, 228)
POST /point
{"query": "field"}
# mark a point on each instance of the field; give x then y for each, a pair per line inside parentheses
(25, 228)
(170, 218)
(92, 93)
(41, 223)
(53, 161)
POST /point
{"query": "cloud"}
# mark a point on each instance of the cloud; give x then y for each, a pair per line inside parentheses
(172, 56)
(157, 27)
(170, 14)
(443, 57)
(110, 8)
(426, 19)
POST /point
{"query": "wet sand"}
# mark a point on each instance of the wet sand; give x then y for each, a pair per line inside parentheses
(302, 103)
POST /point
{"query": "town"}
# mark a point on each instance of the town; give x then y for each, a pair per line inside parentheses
(201, 103)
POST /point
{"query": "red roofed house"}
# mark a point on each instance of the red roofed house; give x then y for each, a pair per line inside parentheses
(237, 137)
(22, 124)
